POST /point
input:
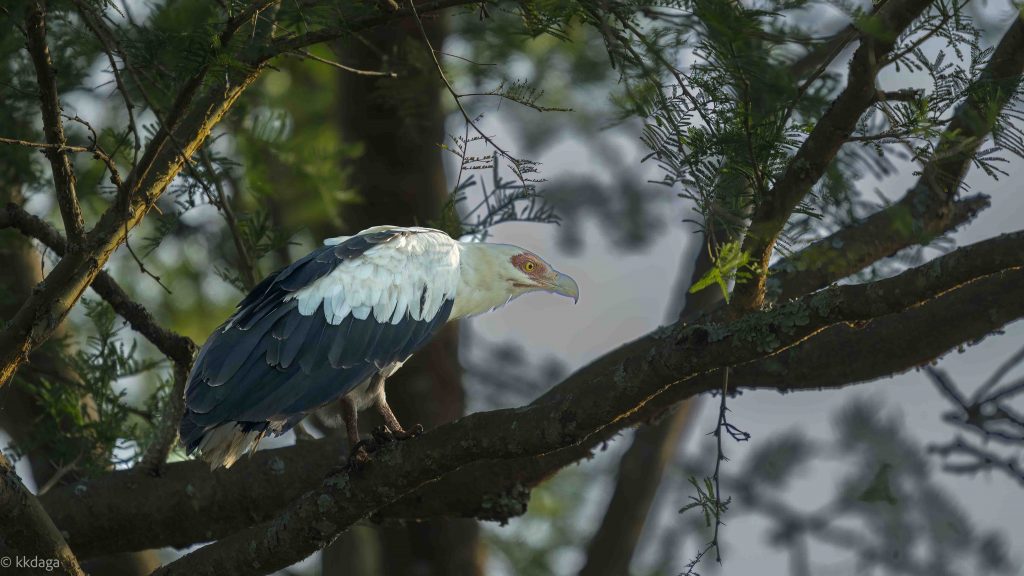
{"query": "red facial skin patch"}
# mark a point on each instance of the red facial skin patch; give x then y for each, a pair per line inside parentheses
(521, 260)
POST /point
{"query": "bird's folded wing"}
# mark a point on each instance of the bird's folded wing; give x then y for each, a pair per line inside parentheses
(316, 329)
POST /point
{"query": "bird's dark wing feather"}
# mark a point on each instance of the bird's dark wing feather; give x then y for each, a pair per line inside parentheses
(269, 362)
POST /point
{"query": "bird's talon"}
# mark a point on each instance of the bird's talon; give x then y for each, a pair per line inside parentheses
(413, 432)
(381, 435)
(359, 456)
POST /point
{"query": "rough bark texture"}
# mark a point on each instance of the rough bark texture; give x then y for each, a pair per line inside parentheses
(655, 371)
(53, 124)
(930, 208)
(126, 511)
(28, 530)
(821, 146)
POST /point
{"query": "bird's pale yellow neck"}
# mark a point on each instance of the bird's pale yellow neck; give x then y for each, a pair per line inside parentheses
(482, 281)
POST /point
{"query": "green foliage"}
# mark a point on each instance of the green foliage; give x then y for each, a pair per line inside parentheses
(729, 263)
(84, 421)
(707, 500)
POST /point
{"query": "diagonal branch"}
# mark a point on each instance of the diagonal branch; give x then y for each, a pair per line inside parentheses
(661, 365)
(53, 126)
(930, 207)
(821, 146)
(28, 531)
(121, 511)
(178, 348)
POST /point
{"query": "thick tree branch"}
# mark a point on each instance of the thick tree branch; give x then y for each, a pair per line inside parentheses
(53, 126)
(855, 247)
(122, 511)
(929, 208)
(178, 348)
(812, 159)
(659, 365)
(28, 531)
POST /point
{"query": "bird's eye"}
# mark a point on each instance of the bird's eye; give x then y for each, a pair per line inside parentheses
(529, 266)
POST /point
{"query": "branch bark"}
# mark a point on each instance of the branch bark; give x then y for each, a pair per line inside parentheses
(28, 531)
(53, 126)
(123, 511)
(180, 349)
(657, 370)
(817, 152)
(929, 208)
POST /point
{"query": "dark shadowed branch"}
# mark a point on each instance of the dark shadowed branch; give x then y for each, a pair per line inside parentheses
(28, 531)
(654, 369)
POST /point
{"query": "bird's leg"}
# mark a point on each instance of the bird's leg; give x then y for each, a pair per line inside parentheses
(359, 451)
(391, 422)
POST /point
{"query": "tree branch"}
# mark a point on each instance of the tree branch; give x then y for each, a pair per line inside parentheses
(121, 511)
(28, 531)
(655, 366)
(53, 127)
(178, 348)
(812, 159)
(929, 208)
(857, 246)
(167, 423)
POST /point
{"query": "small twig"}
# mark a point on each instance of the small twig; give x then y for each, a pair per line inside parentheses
(998, 375)
(96, 152)
(718, 464)
(58, 474)
(109, 48)
(302, 53)
(517, 164)
(246, 265)
(980, 459)
(464, 59)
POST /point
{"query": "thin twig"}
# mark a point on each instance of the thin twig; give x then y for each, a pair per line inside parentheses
(109, 48)
(517, 164)
(53, 127)
(302, 53)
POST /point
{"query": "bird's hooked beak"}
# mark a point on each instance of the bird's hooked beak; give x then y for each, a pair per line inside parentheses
(564, 284)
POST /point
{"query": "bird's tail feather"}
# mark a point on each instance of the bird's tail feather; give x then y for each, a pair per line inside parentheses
(224, 444)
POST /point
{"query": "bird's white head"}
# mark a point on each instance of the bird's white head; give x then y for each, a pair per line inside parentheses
(494, 274)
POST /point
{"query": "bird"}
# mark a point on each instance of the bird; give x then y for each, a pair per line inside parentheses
(336, 324)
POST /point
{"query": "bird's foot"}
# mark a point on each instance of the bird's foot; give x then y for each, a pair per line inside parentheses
(413, 432)
(359, 455)
(383, 435)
